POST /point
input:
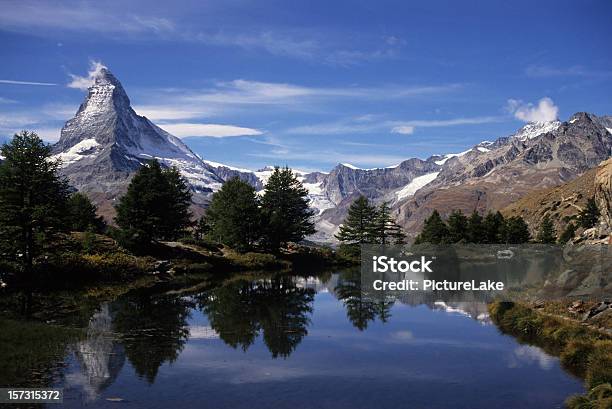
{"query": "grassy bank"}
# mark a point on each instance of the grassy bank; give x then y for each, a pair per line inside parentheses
(33, 360)
(583, 351)
(83, 260)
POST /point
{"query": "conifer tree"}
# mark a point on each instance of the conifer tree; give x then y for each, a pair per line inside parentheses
(476, 229)
(435, 231)
(201, 228)
(386, 230)
(568, 234)
(155, 207)
(493, 225)
(82, 214)
(546, 233)
(516, 231)
(589, 216)
(359, 225)
(234, 215)
(457, 227)
(32, 198)
(286, 211)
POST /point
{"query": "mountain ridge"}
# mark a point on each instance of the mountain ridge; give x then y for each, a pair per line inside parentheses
(107, 141)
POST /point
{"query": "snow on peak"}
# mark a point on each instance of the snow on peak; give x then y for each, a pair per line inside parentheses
(535, 129)
(348, 165)
(83, 149)
(416, 184)
(446, 157)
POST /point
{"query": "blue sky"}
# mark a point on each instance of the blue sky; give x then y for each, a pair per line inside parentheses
(312, 83)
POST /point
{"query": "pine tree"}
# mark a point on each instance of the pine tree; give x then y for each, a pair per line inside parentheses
(568, 234)
(178, 199)
(386, 230)
(359, 225)
(476, 229)
(589, 216)
(201, 228)
(32, 198)
(457, 227)
(155, 207)
(82, 214)
(546, 233)
(493, 225)
(234, 215)
(516, 231)
(286, 211)
(435, 231)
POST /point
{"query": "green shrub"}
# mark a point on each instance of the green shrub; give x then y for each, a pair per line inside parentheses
(255, 261)
(600, 397)
(575, 356)
(599, 369)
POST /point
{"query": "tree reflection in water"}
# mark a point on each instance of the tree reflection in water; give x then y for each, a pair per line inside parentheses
(275, 307)
(153, 330)
(360, 309)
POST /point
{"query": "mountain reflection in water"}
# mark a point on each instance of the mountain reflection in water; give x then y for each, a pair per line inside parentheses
(303, 335)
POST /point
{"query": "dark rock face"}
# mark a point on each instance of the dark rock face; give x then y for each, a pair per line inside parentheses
(344, 180)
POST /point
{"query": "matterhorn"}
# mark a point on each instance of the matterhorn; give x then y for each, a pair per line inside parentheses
(107, 142)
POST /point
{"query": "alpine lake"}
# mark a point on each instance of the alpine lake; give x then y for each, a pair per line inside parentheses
(292, 341)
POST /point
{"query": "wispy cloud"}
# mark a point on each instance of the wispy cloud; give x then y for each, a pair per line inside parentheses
(181, 103)
(545, 110)
(351, 126)
(83, 83)
(268, 41)
(332, 157)
(14, 82)
(11, 123)
(183, 130)
(25, 15)
(403, 130)
(546, 71)
(436, 123)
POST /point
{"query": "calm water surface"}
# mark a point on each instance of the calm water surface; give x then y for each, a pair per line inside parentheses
(299, 342)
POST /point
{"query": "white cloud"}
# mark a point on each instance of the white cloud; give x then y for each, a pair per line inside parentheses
(13, 82)
(544, 111)
(83, 83)
(208, 130)
(403, 129)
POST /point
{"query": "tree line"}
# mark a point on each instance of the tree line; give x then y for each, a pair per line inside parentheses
(37, 204)
(494, 228)
(242, 219)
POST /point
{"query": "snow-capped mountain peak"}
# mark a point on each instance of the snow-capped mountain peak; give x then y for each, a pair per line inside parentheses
(107, 141)
(535, 129)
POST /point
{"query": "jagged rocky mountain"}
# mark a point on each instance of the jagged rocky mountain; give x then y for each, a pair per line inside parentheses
(106, 142)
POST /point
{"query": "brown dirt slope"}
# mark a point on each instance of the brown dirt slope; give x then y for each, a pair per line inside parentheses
(561, 203)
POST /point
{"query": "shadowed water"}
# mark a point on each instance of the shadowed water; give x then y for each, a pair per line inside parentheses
(299, 342)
